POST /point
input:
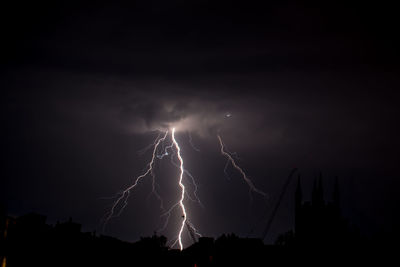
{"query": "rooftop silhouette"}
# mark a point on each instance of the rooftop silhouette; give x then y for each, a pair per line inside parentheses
(320, 236)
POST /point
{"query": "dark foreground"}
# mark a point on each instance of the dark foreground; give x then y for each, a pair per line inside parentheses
(29, 241)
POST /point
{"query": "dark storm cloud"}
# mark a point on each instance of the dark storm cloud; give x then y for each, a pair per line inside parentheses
(323, 117)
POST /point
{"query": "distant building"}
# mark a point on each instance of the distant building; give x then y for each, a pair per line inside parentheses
(319, 223)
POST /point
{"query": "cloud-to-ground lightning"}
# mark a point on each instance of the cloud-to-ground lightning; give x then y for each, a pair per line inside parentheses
(160, 151)
(230, 159)
(184, 215)
(170, 148)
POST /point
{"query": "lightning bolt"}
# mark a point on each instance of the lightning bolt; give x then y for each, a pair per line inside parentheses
(193, 182)
(230, 159)
(160, 151)
(124, 195)
(182, 187)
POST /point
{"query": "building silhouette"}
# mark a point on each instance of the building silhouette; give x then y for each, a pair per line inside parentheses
(320, 236)
(318, 222)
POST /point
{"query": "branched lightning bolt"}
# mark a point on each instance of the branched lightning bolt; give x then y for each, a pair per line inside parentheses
(124, 195)
(173, 149)
(182, 187)
(159, 152)
(232, 161)
(195, 198)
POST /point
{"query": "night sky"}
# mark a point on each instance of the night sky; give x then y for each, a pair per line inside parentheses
(85, 86)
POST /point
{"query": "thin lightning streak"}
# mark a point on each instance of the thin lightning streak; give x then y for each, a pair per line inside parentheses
(195, 231)
(154, 186)
(233, 155)
(225, 170)
(232, 161)
(182, 187)
(154, 183)
(168, 215)
(196, 197)
(191, 142)
(143, 150)
(125, 193)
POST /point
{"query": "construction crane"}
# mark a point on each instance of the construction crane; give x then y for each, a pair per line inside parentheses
(284, 189)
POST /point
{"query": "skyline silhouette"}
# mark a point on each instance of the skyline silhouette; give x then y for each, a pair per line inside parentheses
(319, 231)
